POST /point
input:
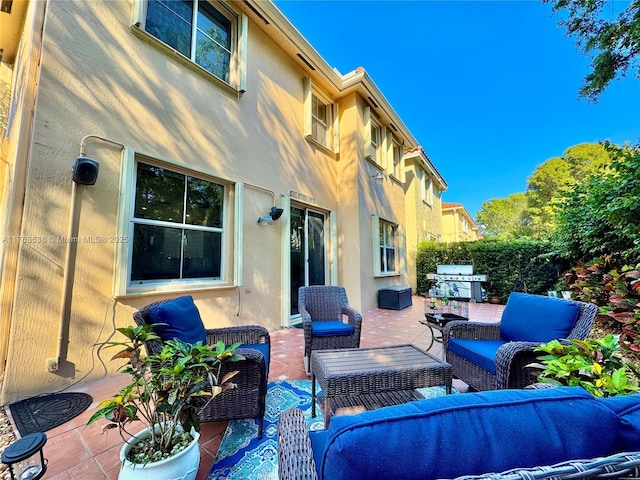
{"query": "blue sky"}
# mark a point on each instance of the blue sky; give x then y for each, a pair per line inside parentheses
(489, 89)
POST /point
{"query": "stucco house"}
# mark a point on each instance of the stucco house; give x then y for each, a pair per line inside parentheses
(457, 224)
(145, 145)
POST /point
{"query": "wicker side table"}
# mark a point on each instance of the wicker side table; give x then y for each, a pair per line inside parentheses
(374, 377)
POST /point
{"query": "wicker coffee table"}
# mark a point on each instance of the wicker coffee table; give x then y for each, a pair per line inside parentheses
(374, 377)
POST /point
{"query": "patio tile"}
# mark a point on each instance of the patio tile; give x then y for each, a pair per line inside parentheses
(76, 451)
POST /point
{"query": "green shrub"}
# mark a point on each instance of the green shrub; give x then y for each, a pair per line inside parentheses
(590, 364)
(503, 261)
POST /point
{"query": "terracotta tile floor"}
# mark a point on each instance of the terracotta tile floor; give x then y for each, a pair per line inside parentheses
(76, 451)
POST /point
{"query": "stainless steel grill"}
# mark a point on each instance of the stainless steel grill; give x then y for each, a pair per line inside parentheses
(459, 280)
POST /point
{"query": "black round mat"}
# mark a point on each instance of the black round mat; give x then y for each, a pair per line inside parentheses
(39, 414)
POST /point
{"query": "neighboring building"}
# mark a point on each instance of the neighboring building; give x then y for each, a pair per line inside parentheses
(457, 224)
(199, 129)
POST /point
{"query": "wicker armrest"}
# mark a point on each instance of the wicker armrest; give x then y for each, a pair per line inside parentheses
(295, 456)
(247, 335)
(512, 360)
(355, 318)
(620, 465)
(472, 330)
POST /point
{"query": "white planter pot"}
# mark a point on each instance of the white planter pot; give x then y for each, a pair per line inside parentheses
(183, 466)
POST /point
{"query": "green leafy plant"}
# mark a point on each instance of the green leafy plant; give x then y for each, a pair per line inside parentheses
(590, 364)
(166, 392)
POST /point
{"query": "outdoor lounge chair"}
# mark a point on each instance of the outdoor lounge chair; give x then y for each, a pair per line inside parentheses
(494, 356)
(322, 308)
(248, 399)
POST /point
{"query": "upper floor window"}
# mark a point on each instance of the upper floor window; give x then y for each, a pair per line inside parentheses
(397, 159)
(374, 138)
(427, 189)
(320, 118)
(210, 36)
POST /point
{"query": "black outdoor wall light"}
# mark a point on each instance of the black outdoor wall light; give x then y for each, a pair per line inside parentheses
(274, 214)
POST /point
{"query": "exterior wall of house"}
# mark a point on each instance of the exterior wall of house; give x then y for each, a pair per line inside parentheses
(98, 78)
(101, 89)
(428, 218)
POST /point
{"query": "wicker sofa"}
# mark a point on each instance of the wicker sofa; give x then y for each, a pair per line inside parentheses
(248, 400)
(539, 433)
(492, 356)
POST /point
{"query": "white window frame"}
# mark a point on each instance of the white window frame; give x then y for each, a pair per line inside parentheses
(239, 26)
(123, 285)
(396, 159)
(379, 260)
(427, 188)
(330, 142)
(374, 148)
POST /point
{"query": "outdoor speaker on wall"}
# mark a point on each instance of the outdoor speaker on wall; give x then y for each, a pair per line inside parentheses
(85, 171)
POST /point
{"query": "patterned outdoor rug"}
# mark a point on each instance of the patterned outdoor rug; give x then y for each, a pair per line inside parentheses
(242, 456)
(39, 414)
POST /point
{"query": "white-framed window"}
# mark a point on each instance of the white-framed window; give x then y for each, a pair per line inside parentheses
(427, 188)
(374, 138)
(388, 246)
(320, 118)
(174, 227)
(397, 159)
(209, 34)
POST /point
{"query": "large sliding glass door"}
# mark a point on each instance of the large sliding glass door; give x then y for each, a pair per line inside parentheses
(307, 250)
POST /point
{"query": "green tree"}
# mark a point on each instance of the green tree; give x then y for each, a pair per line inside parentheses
(600, 217)
(608, 35)
(504, 217)
(551, 179)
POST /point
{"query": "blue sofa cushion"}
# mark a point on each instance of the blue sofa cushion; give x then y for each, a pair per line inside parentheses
(178, 318)
(627, 407)
(331, 328)
(536, 318)
(469, 434)
(479, 352)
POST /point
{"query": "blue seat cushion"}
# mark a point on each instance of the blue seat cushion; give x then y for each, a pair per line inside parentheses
(178, 318)
(331, 328)
(469, 434)
(478, 352)
(536, 318)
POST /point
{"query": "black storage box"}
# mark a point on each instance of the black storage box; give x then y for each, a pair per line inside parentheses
(394, 298)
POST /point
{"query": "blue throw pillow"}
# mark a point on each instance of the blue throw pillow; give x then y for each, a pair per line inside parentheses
(469, 434)
(535, 318)
(182, 320)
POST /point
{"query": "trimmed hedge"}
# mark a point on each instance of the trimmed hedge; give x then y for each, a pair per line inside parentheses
(503, 261)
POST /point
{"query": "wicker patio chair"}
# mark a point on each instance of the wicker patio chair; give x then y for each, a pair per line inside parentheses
(322, 308)
(512, 357)
(248, 399)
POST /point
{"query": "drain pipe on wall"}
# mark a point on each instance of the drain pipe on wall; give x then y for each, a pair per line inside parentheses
(84, 172)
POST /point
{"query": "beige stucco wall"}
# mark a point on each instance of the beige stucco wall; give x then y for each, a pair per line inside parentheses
(428, 218)
(452, 227)
(100, 79)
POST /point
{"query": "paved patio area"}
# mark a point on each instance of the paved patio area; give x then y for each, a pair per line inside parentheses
(75, 451)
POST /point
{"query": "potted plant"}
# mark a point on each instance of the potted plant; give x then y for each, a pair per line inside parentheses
(166, 392)
(590, 363)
